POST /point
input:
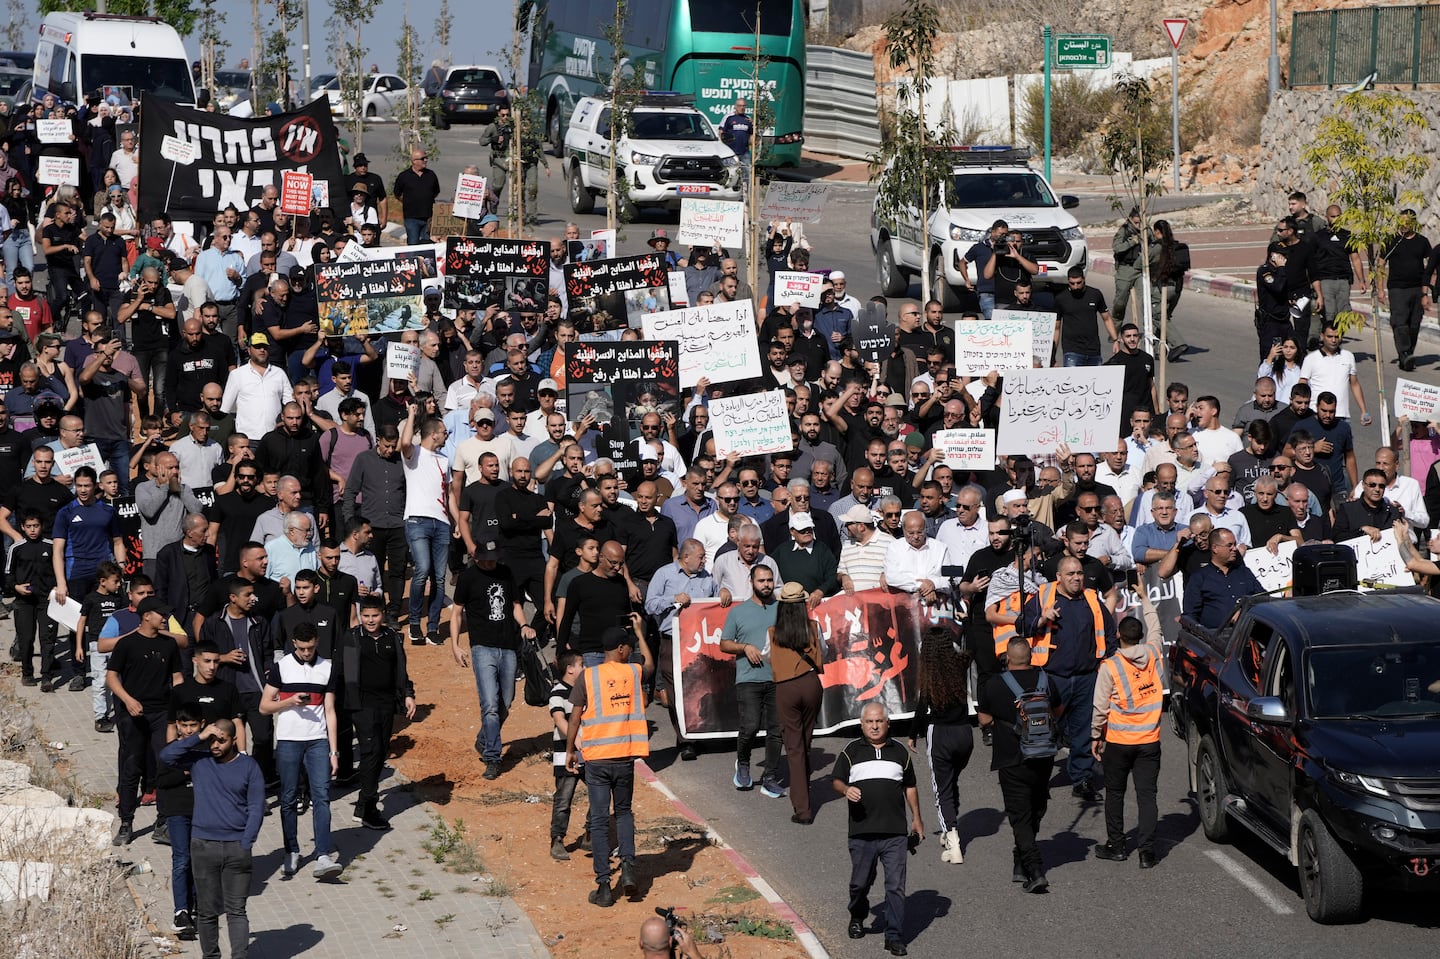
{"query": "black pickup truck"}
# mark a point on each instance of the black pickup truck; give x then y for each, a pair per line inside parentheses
(1314, 722)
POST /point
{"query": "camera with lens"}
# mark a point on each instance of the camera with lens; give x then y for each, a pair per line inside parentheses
(1022, 533)
(672, 922)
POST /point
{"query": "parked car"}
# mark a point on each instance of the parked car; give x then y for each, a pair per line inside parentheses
(15, 87)
(23, 59)
(469, 95)
(231, 86)
(318, 81)
(384, 95)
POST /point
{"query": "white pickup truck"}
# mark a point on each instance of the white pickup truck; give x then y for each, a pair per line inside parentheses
(669, 151)
(987, 183)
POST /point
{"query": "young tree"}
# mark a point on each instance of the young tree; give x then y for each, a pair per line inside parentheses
(212, 42)
(1368, 153)
(444, 24)
(16, 30)
(912, 164)
(272, 73)
(625, 90)
(762, 102)
(414, 132)
(347, 24)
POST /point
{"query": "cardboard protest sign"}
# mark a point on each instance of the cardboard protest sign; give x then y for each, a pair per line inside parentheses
(964, 449)
(1380, 562)
(53, 131)
(1419, 401)
(1042, 335)
(793, 287)
(401, 360)
(994, 345)
(794, 201)
(1273, 570)
(382, 293)
(750, 425)
(469, 197)
(1078, 406)
(58, 171)
(872, 334)
(295, 192)
(716, 341)
(705, 222)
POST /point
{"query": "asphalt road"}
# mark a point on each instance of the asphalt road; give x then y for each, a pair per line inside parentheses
(1202, 899)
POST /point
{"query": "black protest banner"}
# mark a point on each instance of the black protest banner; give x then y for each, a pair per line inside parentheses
(373, 295)
(612, 380)
(620, 275)
(872, 334)
(475, 257)
(236, 159)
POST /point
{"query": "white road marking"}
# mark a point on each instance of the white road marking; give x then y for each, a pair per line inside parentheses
(1243, 877)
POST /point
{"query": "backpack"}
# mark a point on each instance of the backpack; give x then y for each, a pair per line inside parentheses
(1034, 722)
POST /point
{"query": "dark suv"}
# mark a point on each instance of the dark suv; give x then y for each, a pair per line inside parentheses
(469, 95)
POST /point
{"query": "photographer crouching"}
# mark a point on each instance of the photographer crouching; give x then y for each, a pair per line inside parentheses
(664, 936)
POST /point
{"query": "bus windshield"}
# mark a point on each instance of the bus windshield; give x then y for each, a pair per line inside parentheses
(166, 79)
(708, 16)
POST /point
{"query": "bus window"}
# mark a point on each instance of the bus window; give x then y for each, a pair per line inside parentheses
(712, 17)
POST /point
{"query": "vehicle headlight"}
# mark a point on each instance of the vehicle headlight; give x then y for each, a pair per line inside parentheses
(637, 157)
(966, 235)
(1358, 783)
(730, 161)
(1072, 233)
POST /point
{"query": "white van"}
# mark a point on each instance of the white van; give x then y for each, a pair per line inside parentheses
(119, 56)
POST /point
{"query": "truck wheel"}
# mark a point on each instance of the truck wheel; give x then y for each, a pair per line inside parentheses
(580, 199)
(1333, 888)
(939, 289)
(892, 281)
(1210, 792)
(552, 132)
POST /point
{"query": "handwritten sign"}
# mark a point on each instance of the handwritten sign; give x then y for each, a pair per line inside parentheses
(794, 201)
(716, 341)
(1040, 409)
(351, 252)
(1042, 336)
(1380, 562)
(803, 288)
(401, 360)
(704, 222)
(295, 192)
(176, 150)
(872, 334)
(67, 461)
(999, 345)
(58, 171)
(469, 197)
(1274, 570)
(750, 425)
(966, 449)
(1419, 401)
(53, 131)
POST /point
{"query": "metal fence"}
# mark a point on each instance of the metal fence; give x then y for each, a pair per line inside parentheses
(842, 117)
(1399, 45)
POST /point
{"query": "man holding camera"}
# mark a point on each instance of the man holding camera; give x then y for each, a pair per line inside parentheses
(999, 266)
(663, 936)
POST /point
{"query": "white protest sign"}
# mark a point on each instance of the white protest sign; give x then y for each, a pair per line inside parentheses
(966, 449)
(716, 341)
(1273, 570)
(401, 360)
(803, 288)
(58, 171)
(67, 461)
(67, 614)
(1042, 342)
(999, 345)
(675, 281)
(794, 201)
(53, 131)
(1078, 406)
(1419, 401)
(750, 425)
(469, 197)
(183, 152)
(705, 222)
(1380, 562)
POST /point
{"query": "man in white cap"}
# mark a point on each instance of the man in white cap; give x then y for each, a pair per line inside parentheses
(1015, 504)
(862, 558)
(842, 299)
(807, 561)
(547, 391)
(913, 563)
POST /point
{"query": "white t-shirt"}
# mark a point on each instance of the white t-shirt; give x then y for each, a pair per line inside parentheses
(427, 475)
(1217, 444)
(1330, 374)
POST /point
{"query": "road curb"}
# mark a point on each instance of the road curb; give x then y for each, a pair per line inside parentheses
(803, 933)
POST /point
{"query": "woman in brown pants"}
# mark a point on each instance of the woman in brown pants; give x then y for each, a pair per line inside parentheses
(795, 660)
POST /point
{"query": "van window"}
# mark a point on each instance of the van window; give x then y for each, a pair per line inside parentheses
(166, 79)
(58, 70)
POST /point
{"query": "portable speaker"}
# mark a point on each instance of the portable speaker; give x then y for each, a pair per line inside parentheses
(1323, 568)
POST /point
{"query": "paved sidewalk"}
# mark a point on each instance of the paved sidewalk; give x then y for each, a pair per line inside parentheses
(352, 917)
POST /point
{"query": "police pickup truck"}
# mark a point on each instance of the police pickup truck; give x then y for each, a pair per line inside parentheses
(667, 151)
(987, 183)
(1314, 723)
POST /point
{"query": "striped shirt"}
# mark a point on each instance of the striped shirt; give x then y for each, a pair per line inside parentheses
(864, 564)
(560, 703)
(883, 774)
(290, 676)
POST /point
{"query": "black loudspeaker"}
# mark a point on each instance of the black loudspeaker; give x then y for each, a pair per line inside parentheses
(1324, 568)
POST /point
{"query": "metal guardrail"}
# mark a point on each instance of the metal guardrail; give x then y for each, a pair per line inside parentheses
(841, 111)
(1399, 45)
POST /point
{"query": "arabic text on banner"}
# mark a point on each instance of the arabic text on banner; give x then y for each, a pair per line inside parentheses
(998, 345)
(966, 449)
(621, 368)
(794, 201)
(704, 222)
(618, 275)
(1419, 401)
(1078, 406)
(1273, 570)
(1042, 337)
(1380, 561)
(750, 425)
(486, 257)
(793, 287)
(716, 341)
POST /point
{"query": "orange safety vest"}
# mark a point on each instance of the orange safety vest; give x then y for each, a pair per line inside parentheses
(1135, 702)
(1042, 642)
(613, 725)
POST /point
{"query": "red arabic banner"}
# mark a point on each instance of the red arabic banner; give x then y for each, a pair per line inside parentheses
(870, 638)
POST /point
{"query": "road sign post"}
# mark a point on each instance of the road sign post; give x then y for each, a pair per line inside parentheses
(1045, 36)
(1175, 30)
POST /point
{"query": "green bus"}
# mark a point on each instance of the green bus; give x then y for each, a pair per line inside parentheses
(700, 47)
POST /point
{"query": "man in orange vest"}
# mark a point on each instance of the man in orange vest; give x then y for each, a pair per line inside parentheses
(1075, 628)
(1125, 727)
(613, 733)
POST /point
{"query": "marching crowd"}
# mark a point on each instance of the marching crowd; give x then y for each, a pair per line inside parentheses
(306, 521)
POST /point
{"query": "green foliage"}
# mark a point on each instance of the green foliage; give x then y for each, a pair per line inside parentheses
(1135, 142)
(178, 13)
(444, 25)
(1074, 106)
(415, 131)
(208, 22)
(273, 72)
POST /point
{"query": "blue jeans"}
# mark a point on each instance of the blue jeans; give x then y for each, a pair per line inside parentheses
(102, 701)
(117, 454)
(591, 659)
(314, 755)
(182, 883)
(987, 304)
(18, 251)
(1076, 696)
(1081, 359)
(416, 231)
(607, 780)
(495, 683)
(429, 542)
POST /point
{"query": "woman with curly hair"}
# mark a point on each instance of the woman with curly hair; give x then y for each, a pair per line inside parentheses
(943, 713)
(795, 661)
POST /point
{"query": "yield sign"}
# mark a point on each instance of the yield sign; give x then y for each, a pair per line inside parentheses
(1176, 30)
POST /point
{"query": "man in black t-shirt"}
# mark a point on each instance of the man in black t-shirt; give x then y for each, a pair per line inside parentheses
(1081, 308)
(1405, 260)
(1138, 393)
(233, 515)
(41, 493)
(151, 315)
(206, 692)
